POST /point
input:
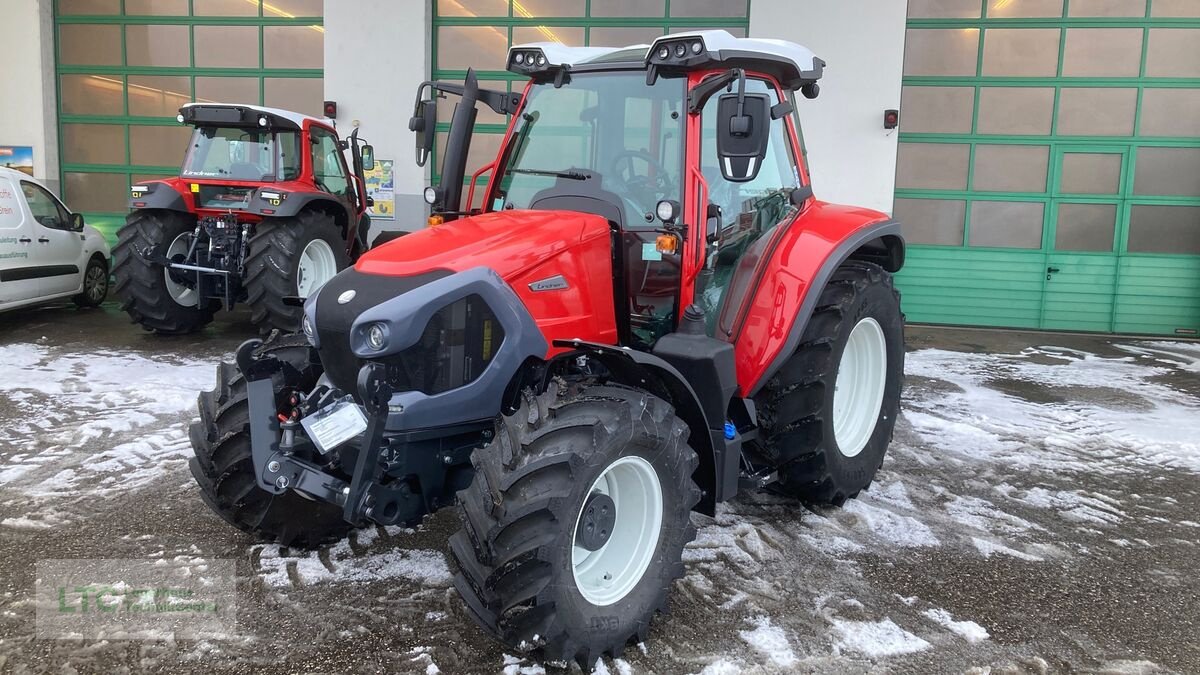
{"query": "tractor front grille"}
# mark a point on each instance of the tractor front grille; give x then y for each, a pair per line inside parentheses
(334, 319)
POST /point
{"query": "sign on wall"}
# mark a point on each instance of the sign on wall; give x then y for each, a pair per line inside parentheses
(19, 157)
(381, 186)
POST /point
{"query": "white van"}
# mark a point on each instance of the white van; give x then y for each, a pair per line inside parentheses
(46, 252)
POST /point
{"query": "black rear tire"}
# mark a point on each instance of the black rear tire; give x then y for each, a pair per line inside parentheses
(224, 468)
(95, 283)
(520, 512)
(796, 405)
(272, 266)
(142, 285)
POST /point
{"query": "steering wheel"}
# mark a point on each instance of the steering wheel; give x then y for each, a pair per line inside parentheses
(641, 189)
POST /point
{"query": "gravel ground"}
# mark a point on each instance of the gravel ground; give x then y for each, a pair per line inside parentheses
(1038, 512)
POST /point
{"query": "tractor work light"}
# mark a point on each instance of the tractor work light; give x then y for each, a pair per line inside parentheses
(679, 52)
(179, 118)
(262, 120)
(431, 195)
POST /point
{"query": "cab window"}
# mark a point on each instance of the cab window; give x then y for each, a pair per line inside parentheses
(749, 212)
(45, 208)
(329, 168)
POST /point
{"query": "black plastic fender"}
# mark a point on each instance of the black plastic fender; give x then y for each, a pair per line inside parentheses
(651, 373)
(156, 195)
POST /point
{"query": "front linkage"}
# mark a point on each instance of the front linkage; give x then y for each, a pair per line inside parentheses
(384, 477)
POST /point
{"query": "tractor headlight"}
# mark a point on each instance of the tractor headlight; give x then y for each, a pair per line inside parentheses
(376, 336)
(664, 52)
(307, 326)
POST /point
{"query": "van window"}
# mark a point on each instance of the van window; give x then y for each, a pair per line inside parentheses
(10, 206)
(45, 208)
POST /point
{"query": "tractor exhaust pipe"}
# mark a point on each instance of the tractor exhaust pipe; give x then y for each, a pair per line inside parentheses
(458, 144)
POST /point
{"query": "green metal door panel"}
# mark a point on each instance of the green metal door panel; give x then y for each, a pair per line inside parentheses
(1079, 294)
(1158, 295)
(972, 286)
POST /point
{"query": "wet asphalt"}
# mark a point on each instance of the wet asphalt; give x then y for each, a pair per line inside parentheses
(1103, 608)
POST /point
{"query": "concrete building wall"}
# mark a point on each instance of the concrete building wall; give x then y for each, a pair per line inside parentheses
(27, 95)
(376, 54)
(851, 155)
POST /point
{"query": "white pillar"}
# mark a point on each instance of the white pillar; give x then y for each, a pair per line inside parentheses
(28, 109)
(376, 54)
(851, 156)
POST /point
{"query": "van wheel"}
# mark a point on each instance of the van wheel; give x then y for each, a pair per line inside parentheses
(829, 413)
(95, 283)
(149, 293)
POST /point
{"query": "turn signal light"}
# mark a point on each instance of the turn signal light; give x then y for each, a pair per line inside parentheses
(666, 243)
(436, 220)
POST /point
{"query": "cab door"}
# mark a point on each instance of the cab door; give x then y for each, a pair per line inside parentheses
(57, 249)
(18, 283)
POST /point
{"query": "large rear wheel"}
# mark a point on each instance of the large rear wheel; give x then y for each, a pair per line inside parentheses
(290, 257)
(575, 522)
(224, 468)
(829, 413)
(153, 296)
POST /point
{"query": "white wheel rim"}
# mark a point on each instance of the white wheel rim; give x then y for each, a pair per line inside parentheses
(182, 295)
(606, 575)
(858, 390)
(317, 265)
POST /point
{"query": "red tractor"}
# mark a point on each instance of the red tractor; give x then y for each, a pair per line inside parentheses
(649, 312)
(264, 211)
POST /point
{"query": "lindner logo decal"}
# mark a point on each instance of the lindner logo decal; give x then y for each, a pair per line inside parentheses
(554, 283)
(347, 296)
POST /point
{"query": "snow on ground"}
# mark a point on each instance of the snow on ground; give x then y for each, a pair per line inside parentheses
(1008, 470)
(102, 422)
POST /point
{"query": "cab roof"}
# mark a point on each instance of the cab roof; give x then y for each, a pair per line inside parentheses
(792, 64)
(244, 115)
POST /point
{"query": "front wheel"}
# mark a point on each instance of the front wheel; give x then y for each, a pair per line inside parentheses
(575, 522)
(828, 414)
(290, 257)
(95, 283)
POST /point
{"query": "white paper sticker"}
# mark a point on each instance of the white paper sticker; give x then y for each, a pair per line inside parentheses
(335, 424)
(650, 252)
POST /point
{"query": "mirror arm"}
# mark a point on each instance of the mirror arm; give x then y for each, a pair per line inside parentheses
(699, 95)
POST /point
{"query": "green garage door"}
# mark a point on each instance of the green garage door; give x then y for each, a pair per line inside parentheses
(1049, 164)
(477, 34)
(125, 66)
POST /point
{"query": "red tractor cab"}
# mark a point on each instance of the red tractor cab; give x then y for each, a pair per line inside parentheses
(647, 311)
(265, 209)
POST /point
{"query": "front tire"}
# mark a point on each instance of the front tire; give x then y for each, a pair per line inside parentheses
(95, 283)
(146, 290)
(290, 257)
(575, 522)
(224, 467)
(829, 413)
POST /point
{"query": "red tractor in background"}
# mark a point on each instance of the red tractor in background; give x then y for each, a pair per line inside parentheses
(264, 211)
(650, 311)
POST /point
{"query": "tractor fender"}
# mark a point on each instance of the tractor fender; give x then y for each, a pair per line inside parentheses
(292, 203)
(156, 194)
(651, 373)
(812, 248)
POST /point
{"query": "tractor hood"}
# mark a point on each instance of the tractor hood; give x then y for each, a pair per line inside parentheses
(508, 242)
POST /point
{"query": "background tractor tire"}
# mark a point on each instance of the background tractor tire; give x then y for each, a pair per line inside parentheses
(143, 287)
(224, 468)
(517, 552)
(290, 257)
(826, 453)
(95, 283)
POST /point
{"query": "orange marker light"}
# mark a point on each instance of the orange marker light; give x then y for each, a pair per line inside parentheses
(666, 243)
(434, 221)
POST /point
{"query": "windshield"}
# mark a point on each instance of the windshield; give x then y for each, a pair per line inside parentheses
(243, 154)
(613, 125)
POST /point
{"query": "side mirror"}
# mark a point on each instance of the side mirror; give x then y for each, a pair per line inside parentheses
(423, 123)
(77, 222)
(743, 128)
(368, 157)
